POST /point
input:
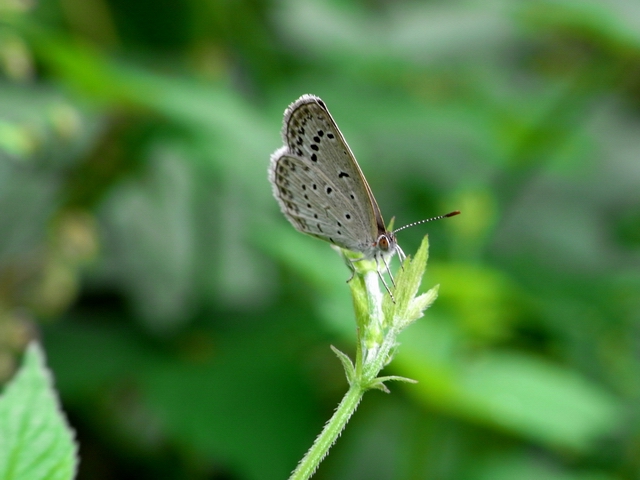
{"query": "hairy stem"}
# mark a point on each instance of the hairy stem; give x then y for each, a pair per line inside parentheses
(329, 434)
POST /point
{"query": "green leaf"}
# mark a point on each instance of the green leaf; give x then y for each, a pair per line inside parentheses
(35, 440)
(534, 399)
(378, 383)
(408, 282)
(379, 386)
(349, 369)
(525, 466)
(543, 401)
(418, 305)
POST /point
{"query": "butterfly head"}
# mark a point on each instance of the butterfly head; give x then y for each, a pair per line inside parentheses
(386, 242)
(386, 246)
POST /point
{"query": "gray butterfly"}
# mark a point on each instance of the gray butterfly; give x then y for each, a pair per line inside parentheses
(321, 189)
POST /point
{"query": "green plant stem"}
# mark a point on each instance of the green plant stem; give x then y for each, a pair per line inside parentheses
(329, 434)
(372, 336)
(359, 385)
(377, 331)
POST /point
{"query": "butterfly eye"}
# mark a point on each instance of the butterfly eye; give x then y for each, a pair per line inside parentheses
(383, 243)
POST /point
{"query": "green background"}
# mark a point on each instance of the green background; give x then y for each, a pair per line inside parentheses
(188, 324)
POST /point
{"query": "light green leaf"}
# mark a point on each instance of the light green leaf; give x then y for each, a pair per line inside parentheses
(408, 282)
(418, 305)
(35, 440)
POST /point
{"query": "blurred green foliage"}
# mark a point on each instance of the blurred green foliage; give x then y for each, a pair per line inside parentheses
(188, 325)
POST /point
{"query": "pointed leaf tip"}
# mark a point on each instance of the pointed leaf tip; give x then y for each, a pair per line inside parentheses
(347, 364)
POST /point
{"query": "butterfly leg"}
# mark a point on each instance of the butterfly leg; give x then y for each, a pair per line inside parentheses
(353, 269)
(386, 265)
(353, 272)
(401, 256)
(382, 277)
(387, 287)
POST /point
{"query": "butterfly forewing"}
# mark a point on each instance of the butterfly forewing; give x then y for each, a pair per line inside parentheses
(318, 183)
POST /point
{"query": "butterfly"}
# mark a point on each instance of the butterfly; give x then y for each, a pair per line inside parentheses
(322, 190)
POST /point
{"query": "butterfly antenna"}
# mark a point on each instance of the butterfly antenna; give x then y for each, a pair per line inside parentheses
(450, 214)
